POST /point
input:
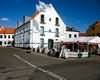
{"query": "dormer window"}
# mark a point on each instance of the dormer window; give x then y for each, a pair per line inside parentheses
(57, 21)
(42, 19)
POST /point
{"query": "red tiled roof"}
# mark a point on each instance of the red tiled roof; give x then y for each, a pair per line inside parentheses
(83, 34)
(7, 30)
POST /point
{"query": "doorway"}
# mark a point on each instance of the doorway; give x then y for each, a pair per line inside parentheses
(50, 43)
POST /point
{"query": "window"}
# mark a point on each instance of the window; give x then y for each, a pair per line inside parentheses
(42, 19)
(8, 36)
(9, 42)
(0, 36)
(41, 42)
(0, 42)
(42, 31)
(57, 21)
(12, 36)
(49, 19)
(4, 36)
(57, 32)
(49, 30)
(70, 35)
(5, 42)
(75, 35)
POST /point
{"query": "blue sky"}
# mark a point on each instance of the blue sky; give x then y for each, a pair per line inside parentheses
(76, 13)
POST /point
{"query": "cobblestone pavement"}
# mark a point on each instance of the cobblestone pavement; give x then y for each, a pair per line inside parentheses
(12, 68)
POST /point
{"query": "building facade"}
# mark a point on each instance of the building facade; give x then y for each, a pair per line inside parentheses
(70, 36)
(44, 25)
(7, 36)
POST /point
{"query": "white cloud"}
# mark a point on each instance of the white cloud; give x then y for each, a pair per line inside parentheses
(4, 19)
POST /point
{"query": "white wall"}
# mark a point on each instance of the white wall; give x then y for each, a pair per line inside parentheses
(49, 13)
(67, 38)
(22, 35)
(30, 33)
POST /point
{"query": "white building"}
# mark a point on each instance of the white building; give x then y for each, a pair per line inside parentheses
(6, 36)
(70, 36)
(44, 25)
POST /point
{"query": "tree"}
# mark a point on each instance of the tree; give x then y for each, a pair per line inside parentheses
(94, 29)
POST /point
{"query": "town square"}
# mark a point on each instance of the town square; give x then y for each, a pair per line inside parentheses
(50, 40)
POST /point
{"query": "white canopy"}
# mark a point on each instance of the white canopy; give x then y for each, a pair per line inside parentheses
(95, 40)
(87, 39)
(84, 39)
